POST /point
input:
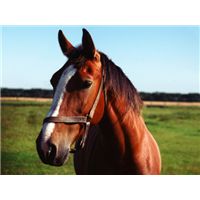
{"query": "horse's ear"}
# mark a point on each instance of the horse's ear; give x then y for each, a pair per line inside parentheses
(88, 45)
(65, 45)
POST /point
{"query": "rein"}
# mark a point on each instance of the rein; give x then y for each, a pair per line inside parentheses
(79, 119)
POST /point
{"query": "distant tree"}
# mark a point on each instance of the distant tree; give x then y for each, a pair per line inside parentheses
(42, 93)
(156, 96)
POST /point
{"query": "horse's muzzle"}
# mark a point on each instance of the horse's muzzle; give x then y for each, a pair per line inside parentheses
(51, 155)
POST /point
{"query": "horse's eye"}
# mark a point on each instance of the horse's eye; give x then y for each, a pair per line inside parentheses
(87, 84)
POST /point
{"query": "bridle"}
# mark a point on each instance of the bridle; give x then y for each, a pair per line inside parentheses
(80, 119)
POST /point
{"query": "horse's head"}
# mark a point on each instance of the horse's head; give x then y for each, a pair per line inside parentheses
(78, 100)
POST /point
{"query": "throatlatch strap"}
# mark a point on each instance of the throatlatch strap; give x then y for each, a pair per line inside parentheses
(91, 113)
(87, 127)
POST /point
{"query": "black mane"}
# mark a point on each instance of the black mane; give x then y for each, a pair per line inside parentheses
(119, 86)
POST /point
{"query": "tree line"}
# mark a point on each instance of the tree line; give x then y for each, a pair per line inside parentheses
(146, 96)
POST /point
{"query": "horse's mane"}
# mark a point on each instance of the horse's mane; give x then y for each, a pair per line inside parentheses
(118, 86)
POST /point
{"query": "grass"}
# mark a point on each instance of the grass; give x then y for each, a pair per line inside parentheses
(176, 129)
(21, 123)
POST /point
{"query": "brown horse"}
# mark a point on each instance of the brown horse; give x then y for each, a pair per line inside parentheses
(96, 107)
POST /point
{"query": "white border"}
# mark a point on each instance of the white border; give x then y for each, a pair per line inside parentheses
(99, 187)
(102, 12)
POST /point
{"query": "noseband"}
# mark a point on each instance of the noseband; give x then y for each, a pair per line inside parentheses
(79, 119)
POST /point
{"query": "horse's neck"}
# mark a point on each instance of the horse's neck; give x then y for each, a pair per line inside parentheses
(124, 129)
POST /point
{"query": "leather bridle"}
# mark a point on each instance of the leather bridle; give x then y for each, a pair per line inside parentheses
(80, 119)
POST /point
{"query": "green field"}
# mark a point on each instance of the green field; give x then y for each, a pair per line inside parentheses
(176, 130)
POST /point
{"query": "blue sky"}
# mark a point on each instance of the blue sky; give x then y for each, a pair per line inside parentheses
(155, 58)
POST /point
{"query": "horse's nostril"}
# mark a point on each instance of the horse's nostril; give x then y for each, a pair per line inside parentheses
(52, 152)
